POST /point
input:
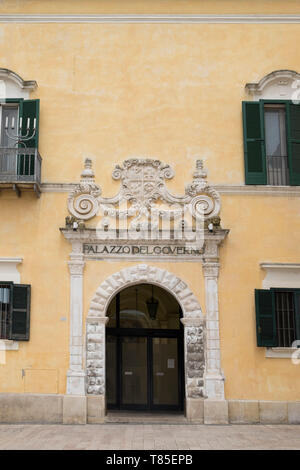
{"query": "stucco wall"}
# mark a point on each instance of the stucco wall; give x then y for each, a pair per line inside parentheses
(172, 92)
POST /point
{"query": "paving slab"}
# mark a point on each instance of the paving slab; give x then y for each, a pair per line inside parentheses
(118, 436)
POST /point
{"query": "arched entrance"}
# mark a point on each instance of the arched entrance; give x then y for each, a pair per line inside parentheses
(144, 350)
(193, 353)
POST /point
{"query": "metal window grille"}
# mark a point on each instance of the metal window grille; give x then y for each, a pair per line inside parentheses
(285, 318)
(4, 311)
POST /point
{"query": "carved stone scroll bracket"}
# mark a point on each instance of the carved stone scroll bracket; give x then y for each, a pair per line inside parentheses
(83, 202)
(205, 200)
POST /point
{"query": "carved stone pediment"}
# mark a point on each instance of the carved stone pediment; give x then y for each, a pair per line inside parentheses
(144, 192)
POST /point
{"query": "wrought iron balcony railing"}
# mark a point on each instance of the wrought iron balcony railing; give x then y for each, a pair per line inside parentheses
(20, 167)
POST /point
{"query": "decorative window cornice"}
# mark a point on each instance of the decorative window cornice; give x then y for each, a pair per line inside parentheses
(283, 275)
(6, 74)
(280, 84)
(8, 269)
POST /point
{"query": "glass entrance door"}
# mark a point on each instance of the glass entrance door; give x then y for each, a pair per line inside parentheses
(144, 353)
(134, 371)
(165, 372)
(143, 372)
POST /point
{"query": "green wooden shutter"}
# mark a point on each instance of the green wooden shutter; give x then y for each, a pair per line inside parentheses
(265, 318)
(297, 312)
(7, 310)
(20, 313)
(31, 110)
(293, 138)
(254, 143)
(26, 162)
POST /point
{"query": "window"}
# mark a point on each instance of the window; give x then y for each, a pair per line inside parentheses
(272, 142)
(5, 311)
(276, 148)
(9, 115)
(277, 317)
(19, 130)
(19, 115)
(14, 311)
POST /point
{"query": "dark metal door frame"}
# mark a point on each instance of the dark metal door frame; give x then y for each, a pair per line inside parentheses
(120, 333)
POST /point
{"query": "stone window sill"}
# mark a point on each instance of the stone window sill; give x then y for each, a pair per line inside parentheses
(8, 345)
(284, 353)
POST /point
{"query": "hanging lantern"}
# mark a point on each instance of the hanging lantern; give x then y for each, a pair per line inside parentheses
(152, 306)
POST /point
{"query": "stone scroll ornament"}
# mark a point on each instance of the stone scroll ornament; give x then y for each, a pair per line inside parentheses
(142, 186)
(83, 202)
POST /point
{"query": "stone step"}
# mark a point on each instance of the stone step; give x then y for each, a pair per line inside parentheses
(145, 417)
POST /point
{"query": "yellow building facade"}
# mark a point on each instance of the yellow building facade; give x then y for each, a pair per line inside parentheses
(150, 189)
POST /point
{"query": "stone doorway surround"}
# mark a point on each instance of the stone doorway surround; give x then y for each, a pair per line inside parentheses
(204, 380)
(193, 321)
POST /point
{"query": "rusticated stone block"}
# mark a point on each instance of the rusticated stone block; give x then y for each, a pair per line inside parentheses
(294, 412)
(74, 409)
(95, 338)
(95, 409)
(31, 408)
(91, 328)
(273, 412)
(91, 363)
(99, 380)
(94, 389)
(95, 355)
(243, 411)
(194, 409)
(195, 392)
(215, 412)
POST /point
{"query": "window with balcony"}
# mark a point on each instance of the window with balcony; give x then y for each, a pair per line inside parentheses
(20, 162)
(272, 142)
(19, 158)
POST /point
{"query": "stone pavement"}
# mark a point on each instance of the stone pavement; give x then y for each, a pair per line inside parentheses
(116, 436)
